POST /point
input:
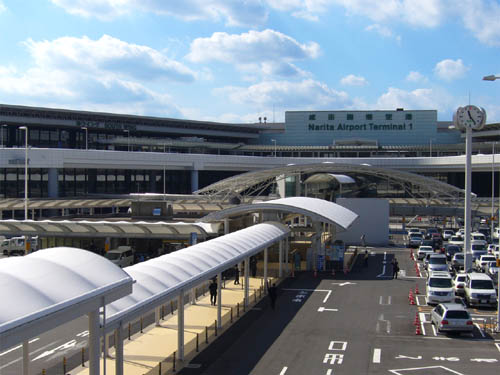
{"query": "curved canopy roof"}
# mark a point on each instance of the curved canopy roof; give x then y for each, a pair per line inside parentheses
(252, 183)
(141, 229)
(33, 300)
(161, 279)
(327, 177)
(316, 209)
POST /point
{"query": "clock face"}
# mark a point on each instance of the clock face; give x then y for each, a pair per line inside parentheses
(471, 117)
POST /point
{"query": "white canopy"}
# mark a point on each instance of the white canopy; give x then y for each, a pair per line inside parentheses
(161, 279)
(316, 209)
(53, 286)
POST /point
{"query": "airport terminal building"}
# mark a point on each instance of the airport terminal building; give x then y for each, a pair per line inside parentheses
(80, 153)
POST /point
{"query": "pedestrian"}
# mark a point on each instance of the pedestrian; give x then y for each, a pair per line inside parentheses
(253, 266)
(366, 258)
(395, 268)
(236, 275)
(273, 294)
(213, 292)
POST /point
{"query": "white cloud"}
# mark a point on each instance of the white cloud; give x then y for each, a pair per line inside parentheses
(3, 8)
(352, 80)
(414, 76)
(109, 55)
(234, 12)
(267, 51)
(481, 18)
(307, 93)
(449, 70)
(308, 10)
(383, 31)
(424, 98)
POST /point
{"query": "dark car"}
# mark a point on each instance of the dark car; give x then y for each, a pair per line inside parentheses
(429, 242)
(429, 232)
(450, 250)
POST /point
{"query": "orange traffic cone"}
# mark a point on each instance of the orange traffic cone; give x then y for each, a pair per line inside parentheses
(417, 330)
(417, 319)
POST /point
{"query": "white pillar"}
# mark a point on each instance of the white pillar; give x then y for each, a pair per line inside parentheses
(193, 296)
(265, 270)
(219, 300)
(94, 341)
(119, 351)
(106, 345)
(247, 279)
(280, 259)
(180, 326)
(287, 251)
(226, 226)
(26, 358)
(467, 208)
(157, 316)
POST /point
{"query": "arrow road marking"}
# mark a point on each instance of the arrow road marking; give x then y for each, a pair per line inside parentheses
(321, 309)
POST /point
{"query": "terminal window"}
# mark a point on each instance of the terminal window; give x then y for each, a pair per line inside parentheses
(369, 116)
(312, 117)
(331, 116)
(350, 116)
(388, 116)
(408, 116)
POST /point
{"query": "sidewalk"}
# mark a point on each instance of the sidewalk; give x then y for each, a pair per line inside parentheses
(145, 351)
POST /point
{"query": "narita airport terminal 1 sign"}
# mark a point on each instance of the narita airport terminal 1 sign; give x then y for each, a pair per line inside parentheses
(343, 127)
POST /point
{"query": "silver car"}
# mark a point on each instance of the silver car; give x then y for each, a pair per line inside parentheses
(451, 317)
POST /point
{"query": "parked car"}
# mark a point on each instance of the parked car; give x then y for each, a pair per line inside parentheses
(459, 283)
(423, 251)
(451, 317)
(450, 250)
(415, 239)
(122, 256)
(457, 262)
(491, 269)
(437, 262)
(439, 288)
(447, 233)
(460, 232)
(478, 237)
(479, 290)
(482, 260)
(456, 240)
(477, 250)
(429, 232)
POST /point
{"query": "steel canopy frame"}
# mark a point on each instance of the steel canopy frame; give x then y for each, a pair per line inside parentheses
(254, 183)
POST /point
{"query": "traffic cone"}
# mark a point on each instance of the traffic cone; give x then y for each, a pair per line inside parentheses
(412, 301)
(417, 330)
(417, 319)
(416, 289)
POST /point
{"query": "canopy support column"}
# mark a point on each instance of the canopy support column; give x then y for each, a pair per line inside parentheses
(94, 341)
(226, 225)
(265, 270)
(280, 259)
(157, 316)
(287, 251)
(118, 350)
(26, 358)
(219, 300)
(180, 326)
(247, 278)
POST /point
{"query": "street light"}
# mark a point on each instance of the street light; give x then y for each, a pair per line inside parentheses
(128, 138)
(25, 128)
(492, 78)
(86, 137)
(274, 141)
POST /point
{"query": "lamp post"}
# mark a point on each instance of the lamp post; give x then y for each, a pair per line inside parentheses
(86, 137)
(492, 188)
(493, 77)
(164, 167)
(274, 141)
(128, 138)
(25, 128)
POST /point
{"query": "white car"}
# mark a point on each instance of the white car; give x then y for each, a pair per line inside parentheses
(439, 288)
(479, 290)
(447, 234)
(423, 251)
(459, 283)
(478, 238)
(460, 232)
(456, 240)
(496, 232)
(491, 269)
(481, 262)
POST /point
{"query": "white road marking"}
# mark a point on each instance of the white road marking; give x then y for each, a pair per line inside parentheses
(284, 370)
(18, 347)
(381, 301)
(434, 329)
(20, 358)
(480, 330)
(498, 346)
(329, 372)
(376, 355)
(388, 324)
(321, 309)
(344, 283)
(422, 321)
(404, 370)
(327, 295)
(383, 269)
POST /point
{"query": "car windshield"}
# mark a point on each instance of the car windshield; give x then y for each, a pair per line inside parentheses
(437, 260)
(416, 236)
(112, 256)
(5, 243)
(438, 282)
(457, 314)
(481, 284)
(477, 247)
(459, 256)
(488, 259)
(456, 238)
(461, 278)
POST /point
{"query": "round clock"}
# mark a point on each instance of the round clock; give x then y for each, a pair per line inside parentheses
(470, 116)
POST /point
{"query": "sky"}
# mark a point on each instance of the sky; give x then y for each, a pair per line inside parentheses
(235, 61)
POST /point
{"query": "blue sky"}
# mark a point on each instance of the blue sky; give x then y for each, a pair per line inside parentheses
(235, 61)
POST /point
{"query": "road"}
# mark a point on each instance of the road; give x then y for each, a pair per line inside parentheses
(360, 323)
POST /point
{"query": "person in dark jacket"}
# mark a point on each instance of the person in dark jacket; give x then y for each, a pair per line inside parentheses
(395, 268)
(213, 292)
(273, 294)
(236, 275)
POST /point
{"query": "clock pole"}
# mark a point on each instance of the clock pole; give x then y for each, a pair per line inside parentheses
(468, 182)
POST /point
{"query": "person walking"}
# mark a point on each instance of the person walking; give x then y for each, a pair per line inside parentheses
(253, 266)
(213, 292)
(366, 258)
(395, 268)
(236, 275)
(273, 294)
